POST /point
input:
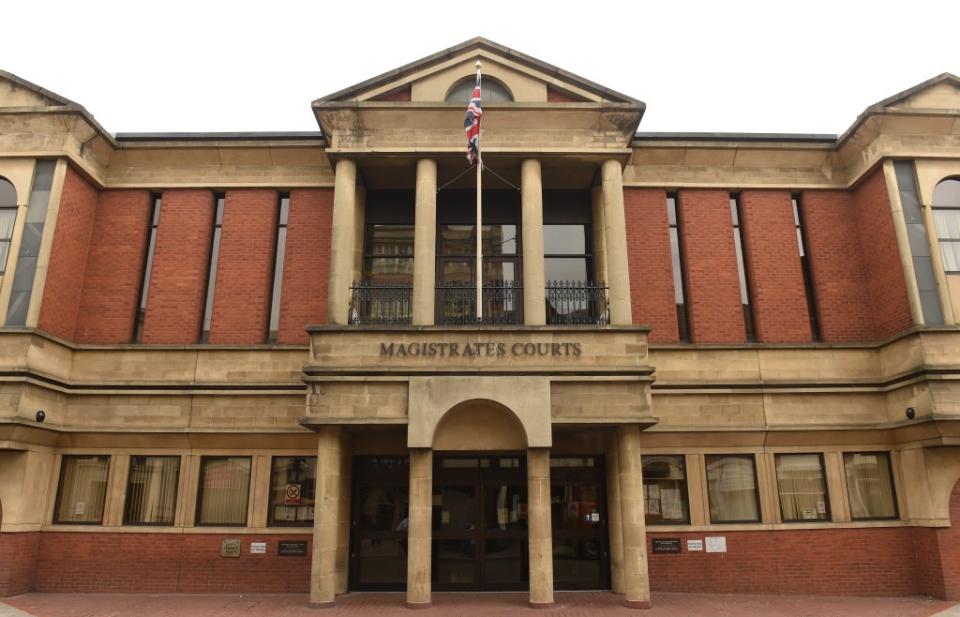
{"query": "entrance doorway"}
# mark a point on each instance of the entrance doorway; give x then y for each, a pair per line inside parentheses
(578, 508)
(480, 522)
(378, 524)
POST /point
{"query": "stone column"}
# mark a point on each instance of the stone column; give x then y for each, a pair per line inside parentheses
(419, 531)
(613, 508)
(425, 243)
(636, 581)
(615, 234)
(599, 235)
(323, 576)
(343, 241)
(531, 191)
(539, 532)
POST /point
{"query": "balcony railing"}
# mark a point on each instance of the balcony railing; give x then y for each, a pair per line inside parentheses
(577, 303)
(379, 303)
(502, 304)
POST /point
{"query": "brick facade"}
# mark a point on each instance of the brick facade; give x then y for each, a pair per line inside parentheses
(772, 254)
(68, 256)
(18, 554)
(651, 268)
(306, 266)
(180, 262)
(241, 301)
(111, 287)
(938, 555)
(713, 283)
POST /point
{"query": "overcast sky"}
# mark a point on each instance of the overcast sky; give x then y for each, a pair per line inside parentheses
(804, 67)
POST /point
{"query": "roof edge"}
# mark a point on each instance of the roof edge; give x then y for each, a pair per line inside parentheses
(219, 136)
(709, 136)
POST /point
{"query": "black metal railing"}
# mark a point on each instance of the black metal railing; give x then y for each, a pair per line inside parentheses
(577, 303)
(502, 304)
(379, 303)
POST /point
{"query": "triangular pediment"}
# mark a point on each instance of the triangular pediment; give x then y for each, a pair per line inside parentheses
(941, 93)
(429, 79)
(18, 92)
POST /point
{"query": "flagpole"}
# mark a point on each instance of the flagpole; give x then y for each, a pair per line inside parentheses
(479, 269)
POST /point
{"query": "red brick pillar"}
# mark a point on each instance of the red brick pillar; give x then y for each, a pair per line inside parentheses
(651, 268)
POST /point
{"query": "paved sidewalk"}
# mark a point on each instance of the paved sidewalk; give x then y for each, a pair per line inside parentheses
(569, 604)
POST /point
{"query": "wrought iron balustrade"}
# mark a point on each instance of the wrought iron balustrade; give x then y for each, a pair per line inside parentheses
(380, 303)
(502, 304)
(577, 303)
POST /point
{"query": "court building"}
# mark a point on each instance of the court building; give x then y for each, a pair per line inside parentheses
(252, 362)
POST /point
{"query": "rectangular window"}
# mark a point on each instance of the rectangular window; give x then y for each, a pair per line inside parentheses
(919, 242)
(224, 490)
(212, 271)
(732, 488)
(870, 485)
(742, 269)
(665, 490)
(274, 326)
(948, 236)
(152, 490)
(8, 218)
(803, 488)
(805, 267)
(29, 253)
(292, 490)
(148, 266)
(679, 281)
(82, 490)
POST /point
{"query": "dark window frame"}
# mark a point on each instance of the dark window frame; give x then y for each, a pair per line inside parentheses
(934, 209)
(197, 509)
(756, 487)
(213, 264)
(740, 246)
(893, 485)
(686, 490)
(682, 309)
(279, 260)
(826, 487)
(176, 493)
(805, 266)
(140, 311)
(270, 506)
(58, 501)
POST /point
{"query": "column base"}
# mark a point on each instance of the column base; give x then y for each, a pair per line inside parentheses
(542, 604)
(637, 604)
(320, 605)
(417, 605)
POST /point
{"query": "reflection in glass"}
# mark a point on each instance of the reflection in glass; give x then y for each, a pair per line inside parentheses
(564, 239)
(732, 488)
(505, 507)
(870, 485)
(576, 560)
(457, 240)
(292, 490)
(454, 508)
(499, 239)
(383, 508)
(565, 269)
(456, 561)
(504, 561)
(575, 506)
(383, 561)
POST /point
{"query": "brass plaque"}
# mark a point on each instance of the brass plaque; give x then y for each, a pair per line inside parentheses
(230, 548)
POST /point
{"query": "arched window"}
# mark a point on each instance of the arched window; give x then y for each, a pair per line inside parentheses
(8, 216)
(493, 91)
(946, 218)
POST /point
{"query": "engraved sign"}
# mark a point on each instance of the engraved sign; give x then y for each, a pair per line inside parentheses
(471, 350)
(666, 545)
(291, 549)
(230, 548)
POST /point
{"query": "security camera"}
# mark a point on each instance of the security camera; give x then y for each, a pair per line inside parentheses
(41, 415)
(911, 413)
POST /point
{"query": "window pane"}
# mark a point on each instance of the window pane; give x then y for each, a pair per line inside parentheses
(947, 223)
(8, 194)
(564, 239)
(83, 489)
(390, 240)
(8, 216)
(732, 488)
(947, 193)
(677, 267)
(499, 271)
(869, 485)
(292, 490)
(4, 253)
(665, 490)
(950, 252)
(152, 490)
(499, 239)
(457, 240)
(224, 490)
(388, 270)
(803, 491)
(565, 269)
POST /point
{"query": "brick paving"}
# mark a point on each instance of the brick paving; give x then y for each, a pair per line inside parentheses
(569, 604)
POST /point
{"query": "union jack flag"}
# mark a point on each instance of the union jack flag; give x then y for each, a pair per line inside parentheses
(471, 124)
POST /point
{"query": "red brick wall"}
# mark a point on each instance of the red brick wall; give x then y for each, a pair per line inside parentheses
(180, 262)
(836, 264)
(938, 555)
(772, 254)
(881, 256)
(68, 257)
(860, 562)
(111, 287)
(18, 553)
(159, 562)
(241, 302)
(713, 283)
(651, 269)
(306, 267)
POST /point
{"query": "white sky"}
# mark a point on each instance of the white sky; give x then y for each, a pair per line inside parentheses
(171, 65)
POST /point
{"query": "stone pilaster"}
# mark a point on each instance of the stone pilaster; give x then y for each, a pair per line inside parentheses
(636, 581)
(323, 576)
(615, 235)
(539, 532)
(425, 243)
(342, 242)
(419, 532)
(531, 188)
(613, 508)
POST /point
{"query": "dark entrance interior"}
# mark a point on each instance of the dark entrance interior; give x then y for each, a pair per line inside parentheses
(578, 508)
(378, 542)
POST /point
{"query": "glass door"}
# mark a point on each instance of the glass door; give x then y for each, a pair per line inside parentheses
(578, 511)
(378, 544)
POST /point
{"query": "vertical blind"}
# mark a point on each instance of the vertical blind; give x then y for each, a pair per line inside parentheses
(803, 493)
(83, 489)
(732, 488)
(224, 490)
(152, 490)
(869, 485)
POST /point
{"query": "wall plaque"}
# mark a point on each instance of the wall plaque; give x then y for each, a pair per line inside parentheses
(291, 549)
(666, 545)
(258, 548)
(230, 548)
